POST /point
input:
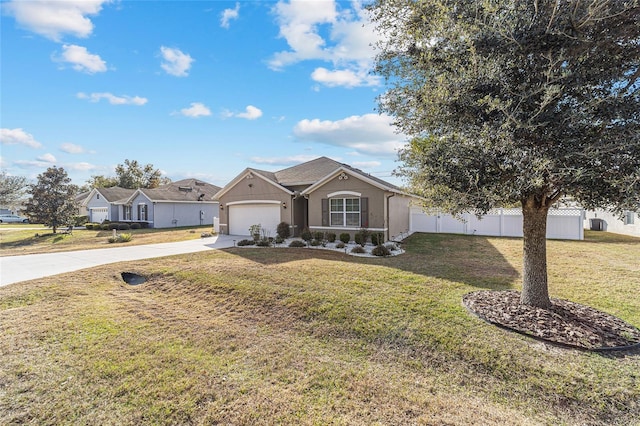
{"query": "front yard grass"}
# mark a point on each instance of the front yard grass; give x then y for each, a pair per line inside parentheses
(301, 336)
(15, 242)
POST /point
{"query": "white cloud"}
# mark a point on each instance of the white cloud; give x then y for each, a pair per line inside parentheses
(71, 148)
(228, 15)
(31, 164)
(47, 158)
(329, 31)
(52, 19)
(283, 161)
(345, 78)
(196, 110)
(176, 62)
(18, 137)
(113, 99)
(251, 113)
(366, 134)
(81, 59)
(81, 166)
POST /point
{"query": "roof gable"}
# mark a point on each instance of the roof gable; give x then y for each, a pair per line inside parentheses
(249, 173)
(348, 171)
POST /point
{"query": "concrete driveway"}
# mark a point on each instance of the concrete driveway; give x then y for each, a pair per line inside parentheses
(14, 269)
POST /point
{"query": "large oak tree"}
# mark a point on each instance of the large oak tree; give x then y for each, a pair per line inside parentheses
(510, 101)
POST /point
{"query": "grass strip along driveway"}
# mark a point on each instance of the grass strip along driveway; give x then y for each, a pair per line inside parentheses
(305, 336)
(16, 241)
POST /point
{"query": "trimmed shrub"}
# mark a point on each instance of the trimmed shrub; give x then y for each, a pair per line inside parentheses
(331, 237)
(124, 226)
(381, 250)
(341, 245)
(297, 243)
(306, 235)
(362, 236)
(135, 225)
(283, 230)
(377, 238)
(315, 243)
(264, 243)
(318, 235)
(91, 225)
(80, 220)
(114, 225)
(358, 250)
(278, 240)
(246, 243)
(105, 226)
(345, 237)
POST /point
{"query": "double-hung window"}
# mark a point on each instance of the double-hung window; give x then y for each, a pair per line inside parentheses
(127, 213)
(345, 211)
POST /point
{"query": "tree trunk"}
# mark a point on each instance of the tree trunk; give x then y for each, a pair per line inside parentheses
(535, 291)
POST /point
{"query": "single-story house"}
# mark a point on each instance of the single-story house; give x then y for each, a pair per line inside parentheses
(322, 195)
(183, 203)
(106, 203)
(604, 220)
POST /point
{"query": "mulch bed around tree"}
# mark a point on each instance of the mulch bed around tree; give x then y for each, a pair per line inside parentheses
(565, 323)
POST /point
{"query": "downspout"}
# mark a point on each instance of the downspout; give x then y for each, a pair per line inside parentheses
(389, 217)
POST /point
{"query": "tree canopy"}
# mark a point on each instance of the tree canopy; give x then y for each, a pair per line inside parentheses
(52, 199)
(131, 175)
(12, 189)
(511, 101)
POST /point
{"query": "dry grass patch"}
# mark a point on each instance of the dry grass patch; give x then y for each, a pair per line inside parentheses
(18, 242)
(296, 336)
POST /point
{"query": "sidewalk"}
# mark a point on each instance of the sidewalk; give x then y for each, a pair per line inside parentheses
(14, 269)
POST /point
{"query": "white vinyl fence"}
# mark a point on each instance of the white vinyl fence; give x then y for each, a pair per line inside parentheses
(563, 224)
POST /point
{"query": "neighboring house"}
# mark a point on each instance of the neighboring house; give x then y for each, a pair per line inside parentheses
(188, 202)
(106, 203)
(603, 220)
(183, 203)
(322, 195)
(80, 202)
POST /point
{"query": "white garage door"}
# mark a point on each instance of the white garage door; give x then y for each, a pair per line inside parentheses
(242, 216)
(98, 215)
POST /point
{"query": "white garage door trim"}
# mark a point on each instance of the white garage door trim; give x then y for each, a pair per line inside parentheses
(99, 214)
(244, 214)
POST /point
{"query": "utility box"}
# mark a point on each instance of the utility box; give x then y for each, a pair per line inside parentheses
(596, 224)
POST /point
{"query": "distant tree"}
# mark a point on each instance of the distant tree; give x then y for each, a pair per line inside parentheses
(132, 175)
(12, 189)
(99, 181)
(52, 199)
(515, 101)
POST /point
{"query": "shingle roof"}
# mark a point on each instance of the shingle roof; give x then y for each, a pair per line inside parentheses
(182, 190)
(115, 193)
(307, 173)
(314, 170)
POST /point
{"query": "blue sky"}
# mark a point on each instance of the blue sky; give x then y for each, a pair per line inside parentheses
(197, 88)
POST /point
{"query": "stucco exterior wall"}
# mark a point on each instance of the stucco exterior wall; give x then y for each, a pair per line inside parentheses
(142, 199)
(98, 201)
(171, 214)
(399, 211)
(352, 184)
(613, 223)
(254, 189)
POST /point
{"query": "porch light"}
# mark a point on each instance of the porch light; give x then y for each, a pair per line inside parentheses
(284, 204)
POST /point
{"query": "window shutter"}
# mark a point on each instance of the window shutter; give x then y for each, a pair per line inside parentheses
(325, 212)
(364, 212)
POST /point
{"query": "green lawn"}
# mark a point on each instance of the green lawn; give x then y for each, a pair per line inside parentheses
(305, 336)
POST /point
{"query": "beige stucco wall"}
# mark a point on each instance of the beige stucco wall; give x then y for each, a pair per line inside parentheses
(254, 189)
(399, 211)
(375, 196)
